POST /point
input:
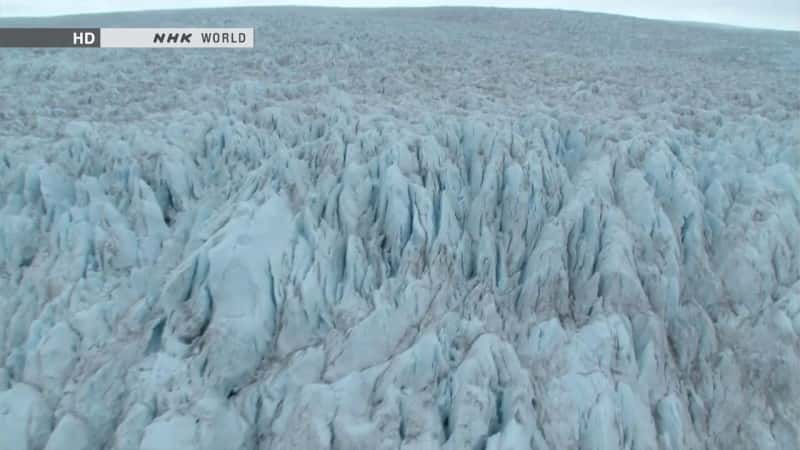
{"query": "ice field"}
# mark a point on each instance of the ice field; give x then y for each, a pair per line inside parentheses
(414, 229)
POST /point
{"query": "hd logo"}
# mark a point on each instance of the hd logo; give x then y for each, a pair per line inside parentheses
(127, 38)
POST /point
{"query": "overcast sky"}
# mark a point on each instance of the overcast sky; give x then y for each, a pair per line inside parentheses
(783, 14)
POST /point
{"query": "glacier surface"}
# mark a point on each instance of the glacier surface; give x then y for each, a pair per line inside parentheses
(422, 229)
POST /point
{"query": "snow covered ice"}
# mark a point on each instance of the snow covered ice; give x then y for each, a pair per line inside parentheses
(421, 229)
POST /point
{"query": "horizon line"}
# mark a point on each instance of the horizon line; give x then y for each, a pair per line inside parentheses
(389, 7)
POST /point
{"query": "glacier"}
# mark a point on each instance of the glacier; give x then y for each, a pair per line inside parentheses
(409, 229)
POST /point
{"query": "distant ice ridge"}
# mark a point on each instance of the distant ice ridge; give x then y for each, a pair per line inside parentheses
(436, 229)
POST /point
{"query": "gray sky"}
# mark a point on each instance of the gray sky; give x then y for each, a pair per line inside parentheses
(782, 14)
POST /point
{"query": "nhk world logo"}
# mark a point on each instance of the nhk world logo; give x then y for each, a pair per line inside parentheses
(207, 37)
(177, 37)
(128, 37)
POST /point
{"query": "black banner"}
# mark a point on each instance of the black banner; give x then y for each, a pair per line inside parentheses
(49, 37)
